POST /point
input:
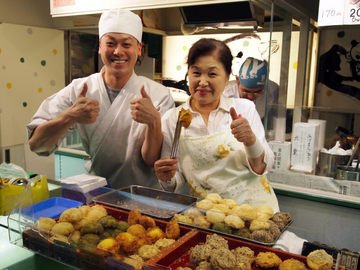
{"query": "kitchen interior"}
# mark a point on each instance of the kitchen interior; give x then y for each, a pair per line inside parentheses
(323, 208)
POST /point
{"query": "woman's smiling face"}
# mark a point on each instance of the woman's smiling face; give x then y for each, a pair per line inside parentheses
(207, 81)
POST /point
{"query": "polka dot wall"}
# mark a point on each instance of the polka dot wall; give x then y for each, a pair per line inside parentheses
(32, 68)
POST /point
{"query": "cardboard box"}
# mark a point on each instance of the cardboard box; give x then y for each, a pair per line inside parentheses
(282, 154)
(305, 145)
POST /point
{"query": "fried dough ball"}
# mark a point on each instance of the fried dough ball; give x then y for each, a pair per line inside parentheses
(100, 208)
(243, 232)
(245, 253)
(95, 214)
(216, 241)
(147, 222)
(245, 211)
(231, 203)
(185, 116)
(201, 221)
(136, 230)
(108, 222)
(183, 219)
(274, 229)
(203, 266)
(258, 225)
(214, 197)
(59, 237)
(234, 221)
(90, 238)
(242, 265)
(155, 234)
(223, 208)
(123, 226)
(143, 240)
(75, 236)
(128, 242)
(161, 244)
(292, 264)
(45, 223)
(200, 253)
(148, 251)
(266, 210)
(215, 217)
(192, 213)
(134, 260)
(262, 236)
(63, 228)
(267, 260)
(107, 246)
(71, 215)
(172, 230)
(94, 228)
(85, 209)
(281, 219)
(205, 204)
(221, 227)
(262, 216)
(134, 217)
(184, 268)
(222, 259)
(319, 260)
(81, 223)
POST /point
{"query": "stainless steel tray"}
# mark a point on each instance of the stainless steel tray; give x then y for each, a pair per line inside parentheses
(149, 201)
(233, 235)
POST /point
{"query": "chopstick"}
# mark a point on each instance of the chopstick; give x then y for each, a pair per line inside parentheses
(176, 138)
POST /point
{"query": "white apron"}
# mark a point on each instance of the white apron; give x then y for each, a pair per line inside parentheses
(217, 164)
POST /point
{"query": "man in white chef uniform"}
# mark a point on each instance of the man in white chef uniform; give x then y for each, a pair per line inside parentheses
(113, 110)
(251, 84)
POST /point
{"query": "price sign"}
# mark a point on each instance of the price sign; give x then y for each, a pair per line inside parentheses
(352, 12)
(331, 12)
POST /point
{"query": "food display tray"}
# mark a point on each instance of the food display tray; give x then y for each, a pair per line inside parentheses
(180, 255)
(85, 259)
(233, 235)
(152, 202)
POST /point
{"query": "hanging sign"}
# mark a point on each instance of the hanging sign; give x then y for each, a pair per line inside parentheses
(352, 12)
(339, 12)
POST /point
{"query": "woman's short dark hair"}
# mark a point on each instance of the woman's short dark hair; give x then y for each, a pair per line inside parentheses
(208, 46)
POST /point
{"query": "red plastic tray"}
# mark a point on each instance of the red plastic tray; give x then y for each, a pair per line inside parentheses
(180, 255)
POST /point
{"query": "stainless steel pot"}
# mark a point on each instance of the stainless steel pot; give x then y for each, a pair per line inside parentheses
(327, 163)
(347, 173)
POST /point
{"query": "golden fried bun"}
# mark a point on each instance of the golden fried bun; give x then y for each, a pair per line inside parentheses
(161, 244)
(134, 217)
(45, 223)
(214, 197)
(192, 213)
(245, 211)
(95, 214)
(267, 260)
(75, 236)
(147, 222)
(71, 215)
(155, 234)
(234, 222)
(136, 230)
(221, 208)
(85, 209)
(319, 260)
(185, 116)
(81, 223)
(172, 230)
(292, 264)
(258, 225)
(215, 217)
(107, 246)
(100, 208)
(58, 237)
(183, 219)
(266, 210)
(148, 251)
(205, 204)
(63, 228)
(262, 216)
(201, 221)
(128, 242)
(231, 203)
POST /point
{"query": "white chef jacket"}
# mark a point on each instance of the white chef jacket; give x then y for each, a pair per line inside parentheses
(114, 141)
(231, 90)
(219, 120)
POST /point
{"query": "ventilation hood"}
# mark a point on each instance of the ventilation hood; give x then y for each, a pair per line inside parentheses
(233, 14)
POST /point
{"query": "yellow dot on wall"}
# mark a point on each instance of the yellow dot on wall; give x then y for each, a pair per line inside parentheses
(295, 65)
(40, 90)
(184, 48)
(54, 51)
(0, 50)
(8, 85)
(328, 93)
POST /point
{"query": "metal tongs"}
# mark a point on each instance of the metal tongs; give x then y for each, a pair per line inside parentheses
(176, 137)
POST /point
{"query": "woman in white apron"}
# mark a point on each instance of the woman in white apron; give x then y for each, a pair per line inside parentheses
(224, 149)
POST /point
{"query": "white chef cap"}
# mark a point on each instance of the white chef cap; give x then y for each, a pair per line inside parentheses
(120, 21)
